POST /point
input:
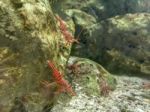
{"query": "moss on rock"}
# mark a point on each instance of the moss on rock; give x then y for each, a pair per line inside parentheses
(29, 36)
(89, 75)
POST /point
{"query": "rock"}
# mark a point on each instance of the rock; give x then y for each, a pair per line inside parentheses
(29, 36)
(87, 77)
(120, 43)
(101, 9)
(81, 18)
(101, 38)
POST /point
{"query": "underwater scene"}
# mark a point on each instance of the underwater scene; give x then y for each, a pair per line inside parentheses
(74, 55)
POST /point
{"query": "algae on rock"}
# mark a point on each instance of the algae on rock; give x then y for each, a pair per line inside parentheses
(87, 77)
(29, 36)
(121, 43)
(108, 26)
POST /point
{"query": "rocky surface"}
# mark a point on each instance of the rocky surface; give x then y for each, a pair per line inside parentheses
(121, 43)
(102, 9)
(29, 36)
(129, 96)
(90, 76)
(115, 34)
(89, 79)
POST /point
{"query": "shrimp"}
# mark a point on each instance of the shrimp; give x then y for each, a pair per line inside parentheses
(58, 77)
(63, 28)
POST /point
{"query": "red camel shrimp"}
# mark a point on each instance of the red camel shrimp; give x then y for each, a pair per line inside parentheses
(64, 85)
(63, 28)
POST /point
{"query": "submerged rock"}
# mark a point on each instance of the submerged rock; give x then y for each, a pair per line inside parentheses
(91, 81)
(102, 9)
(29, 36)
(89, 75)
(113, 33)
(120, 43)
(81, 18)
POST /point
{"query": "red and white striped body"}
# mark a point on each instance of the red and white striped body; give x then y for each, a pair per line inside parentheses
(64, 85)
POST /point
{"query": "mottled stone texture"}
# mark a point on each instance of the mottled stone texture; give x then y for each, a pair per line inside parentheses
(121, 43)
(89, 79)
(89, 76)
(29, 36)
(113, 33)
(102, 9)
